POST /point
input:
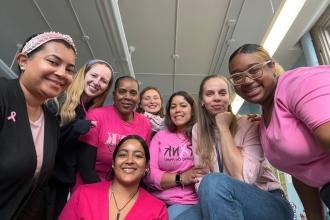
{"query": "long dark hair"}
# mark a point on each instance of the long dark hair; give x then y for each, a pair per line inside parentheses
(168, 122)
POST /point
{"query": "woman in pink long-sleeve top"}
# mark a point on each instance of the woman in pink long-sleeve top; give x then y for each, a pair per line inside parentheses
(240, 179)
(122, 198)
(172, 169)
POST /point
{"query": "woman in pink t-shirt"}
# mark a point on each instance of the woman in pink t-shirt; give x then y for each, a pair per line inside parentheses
(122, 198)
(112, 124)
(240, 179)
(172, 170)
(295, 123)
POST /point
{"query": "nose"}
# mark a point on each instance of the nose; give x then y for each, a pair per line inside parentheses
(60, 71)
(97, 81)
(247, 80)
(177, 109)
(129, 158)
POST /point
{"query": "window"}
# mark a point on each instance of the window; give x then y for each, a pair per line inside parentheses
(321, 37)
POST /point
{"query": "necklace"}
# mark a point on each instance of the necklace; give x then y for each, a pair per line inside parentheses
(83, 106)
(120, 209)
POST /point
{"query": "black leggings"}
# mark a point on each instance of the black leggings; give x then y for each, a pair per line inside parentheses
(325, 194)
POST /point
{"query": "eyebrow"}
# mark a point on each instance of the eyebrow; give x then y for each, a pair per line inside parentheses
(59, 58)
(135, 151)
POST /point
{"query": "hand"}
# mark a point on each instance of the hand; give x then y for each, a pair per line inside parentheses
(224, 119)
(254, 117)
(82, 126)
(193, 175)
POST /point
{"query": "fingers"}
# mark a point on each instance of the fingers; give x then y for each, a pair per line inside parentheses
(93, 123)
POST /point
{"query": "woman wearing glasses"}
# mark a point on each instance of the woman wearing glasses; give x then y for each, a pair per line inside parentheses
(295, 122)
(241, 179)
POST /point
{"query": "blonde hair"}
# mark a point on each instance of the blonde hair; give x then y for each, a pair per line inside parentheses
(74, 92)
(259, 52)
(206, 126)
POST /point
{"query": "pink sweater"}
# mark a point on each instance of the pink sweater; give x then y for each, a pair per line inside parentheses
(91, 202)
(171, 152)
(256, 169)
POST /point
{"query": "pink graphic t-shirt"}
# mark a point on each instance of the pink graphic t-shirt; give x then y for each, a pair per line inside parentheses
(171, 152)
(301, 104)
(110, 129)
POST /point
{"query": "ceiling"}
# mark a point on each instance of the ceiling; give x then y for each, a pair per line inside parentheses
(170, 44)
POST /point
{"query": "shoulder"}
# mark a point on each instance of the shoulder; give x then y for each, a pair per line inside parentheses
(194, 129)
(301, 75)
(244, 124)
(8, 85)
(106, 111)
(140, 117)
(94, 188)
(164, 135)
(150, 200)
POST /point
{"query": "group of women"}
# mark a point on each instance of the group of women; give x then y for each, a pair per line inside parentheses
(131, 160)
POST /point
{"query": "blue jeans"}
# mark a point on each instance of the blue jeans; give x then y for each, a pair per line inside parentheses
(222, 197)
(176, 209)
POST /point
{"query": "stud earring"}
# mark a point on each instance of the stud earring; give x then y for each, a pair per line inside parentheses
(22, 68)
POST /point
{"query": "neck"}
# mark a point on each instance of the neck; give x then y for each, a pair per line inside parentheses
(268, 104)
(33, 103)
(84, 98)
(124, 190)
(126, 117)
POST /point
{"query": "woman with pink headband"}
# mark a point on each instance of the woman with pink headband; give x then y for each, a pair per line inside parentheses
(28, 131)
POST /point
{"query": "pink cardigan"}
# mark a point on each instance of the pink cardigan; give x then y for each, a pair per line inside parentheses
(91, 202)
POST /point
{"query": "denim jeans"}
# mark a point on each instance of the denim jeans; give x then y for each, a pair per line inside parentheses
(176, 209)
(222, 197)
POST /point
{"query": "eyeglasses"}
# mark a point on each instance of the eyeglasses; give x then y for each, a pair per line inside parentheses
(253, 72)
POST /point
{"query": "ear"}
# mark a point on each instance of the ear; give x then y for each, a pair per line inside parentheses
(22, 60)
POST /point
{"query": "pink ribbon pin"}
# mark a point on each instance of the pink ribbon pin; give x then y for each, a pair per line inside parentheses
(12, 116)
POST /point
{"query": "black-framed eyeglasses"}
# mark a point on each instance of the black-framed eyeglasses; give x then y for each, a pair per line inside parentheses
(253, 72)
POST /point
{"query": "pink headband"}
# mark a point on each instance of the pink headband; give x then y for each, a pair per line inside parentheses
(45, 37)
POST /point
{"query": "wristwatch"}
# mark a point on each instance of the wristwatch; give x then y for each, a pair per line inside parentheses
(178, 179)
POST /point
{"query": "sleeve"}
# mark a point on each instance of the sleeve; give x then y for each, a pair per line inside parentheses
(74, 129)
(155, 176)
(311, 101)
(163, 215)
(72, 208)
(252, 152)
(92, 136)
(197, 160)
(148, 138)
(86, 163)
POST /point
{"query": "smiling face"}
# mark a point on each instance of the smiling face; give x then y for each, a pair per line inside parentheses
(130, 163)
(151, 101)
(180, 112)
(48, 72)
(215, 96)
(126, 97)
(259, 90)
(97, 80)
